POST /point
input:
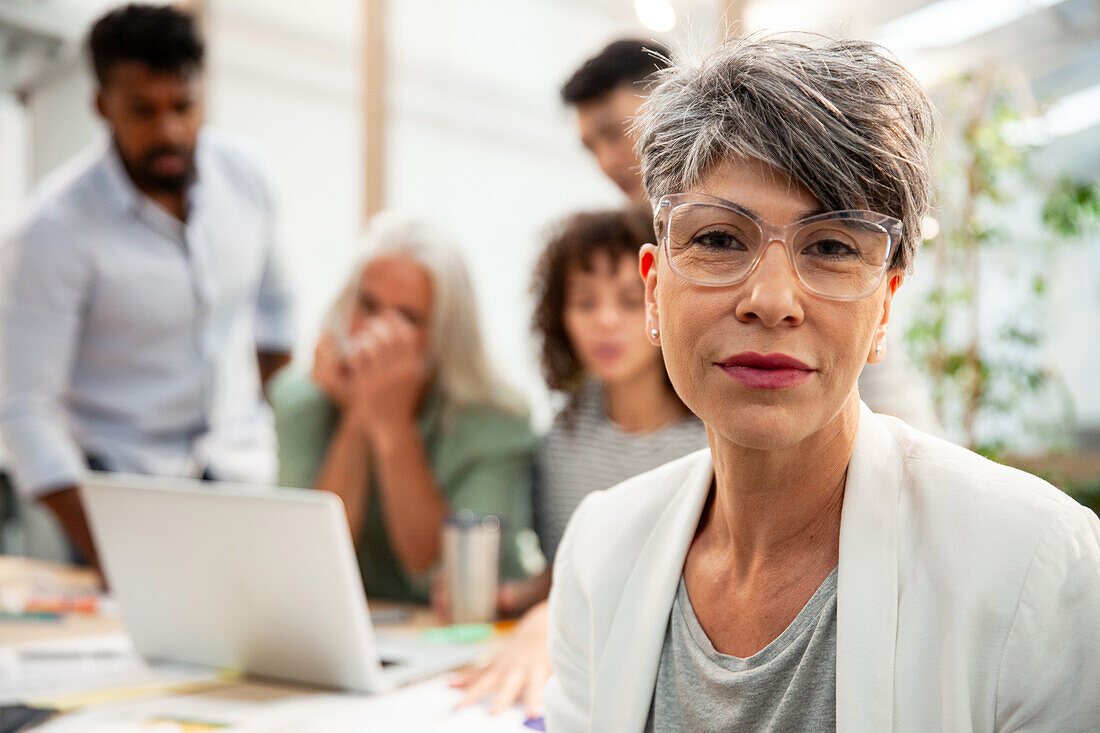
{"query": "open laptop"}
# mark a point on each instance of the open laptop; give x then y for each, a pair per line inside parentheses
(252, 578)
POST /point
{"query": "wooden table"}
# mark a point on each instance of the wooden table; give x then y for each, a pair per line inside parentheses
(27, 576)
(20, 575)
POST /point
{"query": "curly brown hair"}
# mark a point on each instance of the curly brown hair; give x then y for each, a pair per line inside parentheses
(573, 245)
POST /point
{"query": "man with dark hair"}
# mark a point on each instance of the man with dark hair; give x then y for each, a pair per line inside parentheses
(605, 93)
(142, 303)
(143, 55)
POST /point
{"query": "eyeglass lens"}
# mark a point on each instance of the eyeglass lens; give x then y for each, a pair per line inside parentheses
(838, 257)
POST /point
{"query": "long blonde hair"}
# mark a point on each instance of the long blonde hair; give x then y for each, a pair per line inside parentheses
(455, 351)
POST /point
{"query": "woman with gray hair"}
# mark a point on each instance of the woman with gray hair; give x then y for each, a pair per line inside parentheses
(401, 416)
(819, 566)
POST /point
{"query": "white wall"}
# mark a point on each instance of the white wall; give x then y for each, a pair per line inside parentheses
(285, 75)
(15, 152)
(1073, 321)
(62, 118)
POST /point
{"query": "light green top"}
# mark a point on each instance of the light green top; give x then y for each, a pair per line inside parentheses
(482, 459)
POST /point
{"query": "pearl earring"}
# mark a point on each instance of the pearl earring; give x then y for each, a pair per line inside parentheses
(653, 333)
(879, 349)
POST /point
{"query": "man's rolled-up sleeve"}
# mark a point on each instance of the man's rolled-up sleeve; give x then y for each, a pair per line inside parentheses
(274, 301)
(274, 307)
(43, 286)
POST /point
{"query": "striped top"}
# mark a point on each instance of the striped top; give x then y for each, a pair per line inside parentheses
(593, 454)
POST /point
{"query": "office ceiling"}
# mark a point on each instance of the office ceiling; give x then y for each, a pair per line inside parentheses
(1052, 47)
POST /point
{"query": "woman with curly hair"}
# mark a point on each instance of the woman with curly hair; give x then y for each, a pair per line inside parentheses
(621, 416)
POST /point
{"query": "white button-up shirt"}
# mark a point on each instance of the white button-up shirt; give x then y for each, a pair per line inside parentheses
(131, 336)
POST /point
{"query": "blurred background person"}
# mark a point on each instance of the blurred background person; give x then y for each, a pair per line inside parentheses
(142, 303)
(402, 417)
(606, 93)
(621, 416)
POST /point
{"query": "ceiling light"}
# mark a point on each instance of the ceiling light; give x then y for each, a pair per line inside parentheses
(947, 22)
(929, 228)
(656, 15)
(1069, 115)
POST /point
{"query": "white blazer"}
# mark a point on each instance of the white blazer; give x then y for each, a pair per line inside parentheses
(968, 594)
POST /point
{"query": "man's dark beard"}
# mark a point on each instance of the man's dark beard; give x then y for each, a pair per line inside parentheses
(146, 180)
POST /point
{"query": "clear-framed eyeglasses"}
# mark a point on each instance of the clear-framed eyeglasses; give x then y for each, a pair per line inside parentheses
(840, 255)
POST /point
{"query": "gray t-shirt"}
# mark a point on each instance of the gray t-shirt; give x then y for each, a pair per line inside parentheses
(594, 453)
(789, 685)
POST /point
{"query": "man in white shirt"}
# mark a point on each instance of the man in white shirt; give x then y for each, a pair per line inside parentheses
(142, 303)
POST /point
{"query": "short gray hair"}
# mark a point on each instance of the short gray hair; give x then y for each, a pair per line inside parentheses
(843, 118)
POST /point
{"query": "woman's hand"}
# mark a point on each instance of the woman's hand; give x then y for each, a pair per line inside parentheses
(387, 376)
(519, 670)
(330, 370)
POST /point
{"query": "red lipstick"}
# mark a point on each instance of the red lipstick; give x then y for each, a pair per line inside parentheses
(766, 371)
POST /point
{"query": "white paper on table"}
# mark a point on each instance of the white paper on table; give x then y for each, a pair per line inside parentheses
(154, 715)
(82, 665)
(427, 706)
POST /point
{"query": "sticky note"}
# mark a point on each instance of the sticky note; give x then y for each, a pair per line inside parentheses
(459, 633)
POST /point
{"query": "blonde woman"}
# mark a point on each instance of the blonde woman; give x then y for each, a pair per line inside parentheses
(401, 416)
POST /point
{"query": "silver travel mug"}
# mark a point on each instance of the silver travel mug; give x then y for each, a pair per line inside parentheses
(471, 561)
